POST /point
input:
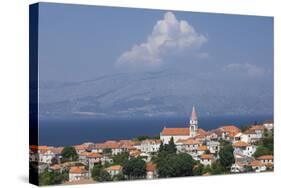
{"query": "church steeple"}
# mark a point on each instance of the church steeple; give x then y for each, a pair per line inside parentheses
(193, 123)
(193, 114)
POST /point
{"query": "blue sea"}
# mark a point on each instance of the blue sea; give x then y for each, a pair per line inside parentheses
(73, 131)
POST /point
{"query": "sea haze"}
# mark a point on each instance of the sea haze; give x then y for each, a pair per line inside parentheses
(73, 131)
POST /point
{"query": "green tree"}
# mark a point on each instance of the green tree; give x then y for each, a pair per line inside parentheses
(226, 157)
(198, 170)
(207, 169)
(262, 150)
(171, 147)
(121, 158)
(141, 138)
(104, 176)
(161, 147)
(134, 168)
(216, 168)
(69, 154)
(96, 170)
(51, 178)
(118, 177)
(175, 165)
(245, 127)
(107, 151)
(268, 142)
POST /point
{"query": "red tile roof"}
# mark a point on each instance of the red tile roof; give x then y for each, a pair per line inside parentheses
(150, 167)
(78, 170)
(230, 128)
(240, 144)
(207, 156)
(175, 131)
(256, 163)
(114, 168)
(202, 148)
(189, 141)
(265, 157)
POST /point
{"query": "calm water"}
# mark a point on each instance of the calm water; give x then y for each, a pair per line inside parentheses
(62, 132)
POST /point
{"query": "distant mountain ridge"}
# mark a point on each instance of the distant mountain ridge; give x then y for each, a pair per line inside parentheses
(152, 94)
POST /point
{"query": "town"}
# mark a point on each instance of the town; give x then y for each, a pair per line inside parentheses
(176, 152)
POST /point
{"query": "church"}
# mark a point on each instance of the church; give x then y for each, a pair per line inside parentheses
(182, 133)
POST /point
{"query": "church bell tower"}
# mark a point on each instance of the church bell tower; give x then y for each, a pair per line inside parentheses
(193, 123)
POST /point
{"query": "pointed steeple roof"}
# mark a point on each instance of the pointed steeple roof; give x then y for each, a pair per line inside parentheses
(193, 114)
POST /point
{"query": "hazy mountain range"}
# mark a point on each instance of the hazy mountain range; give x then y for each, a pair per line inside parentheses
(153, 94)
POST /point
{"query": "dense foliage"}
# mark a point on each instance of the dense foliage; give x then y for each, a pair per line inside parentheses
(69, 154)
(134, 168)
(52, 178)
(226, 157)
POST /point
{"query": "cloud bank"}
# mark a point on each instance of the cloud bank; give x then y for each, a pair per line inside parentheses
(169, 36)
(246, 68)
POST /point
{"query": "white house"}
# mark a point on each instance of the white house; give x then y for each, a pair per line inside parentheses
(207, 159)
(77, 173)
(114, 146)
(150, 145)
(213, 146)
(268, 124)
(187, 145)
(151, 171)
(255, 133)
(114, 170)
(244, 148)
(46, 156)
(257, 166)
(237, 167)
(202, 150)
(242, 137)
(266, 159)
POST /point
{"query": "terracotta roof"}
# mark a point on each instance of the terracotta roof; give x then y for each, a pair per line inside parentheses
(250, 131)
(114, 168)
(81, 181)
(240, 144)
(80, 147)
(175, 131)
(202, 148)
(257, 127)
(91, 155)
(201, 132)
(268, 122)
(265, 157)
(230, 128)
(78, 170)
(108, 144)
(42, 147)
(207, 156)
(57, 150)
(189, 141)
(256, 163)
(150, 166)
(135, 153)
(55, 167)
(152, 141)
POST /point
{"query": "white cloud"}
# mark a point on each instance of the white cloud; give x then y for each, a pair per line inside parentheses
(247, 68)
(169, 36)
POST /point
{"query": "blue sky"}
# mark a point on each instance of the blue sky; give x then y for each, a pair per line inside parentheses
(81, 42)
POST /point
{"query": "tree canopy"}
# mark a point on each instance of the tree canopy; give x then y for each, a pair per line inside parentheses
(226, 157)
(134, 168)
(262, 150)
(69, 153)
(175, 165)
